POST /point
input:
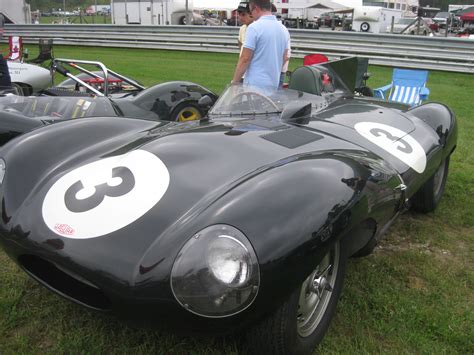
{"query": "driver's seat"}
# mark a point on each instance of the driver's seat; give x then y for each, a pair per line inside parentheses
(306, 79)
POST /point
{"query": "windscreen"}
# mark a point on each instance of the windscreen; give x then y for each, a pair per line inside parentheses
(56, 107)
(240, 100)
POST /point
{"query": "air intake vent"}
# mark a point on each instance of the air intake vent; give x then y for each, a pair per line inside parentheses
(66, 284)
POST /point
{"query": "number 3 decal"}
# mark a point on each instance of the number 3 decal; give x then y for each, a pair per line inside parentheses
(74, 204)
(396, 142)
(105, 196)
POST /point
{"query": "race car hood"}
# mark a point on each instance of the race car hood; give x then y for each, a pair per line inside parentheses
(102, 191)
(348, 112)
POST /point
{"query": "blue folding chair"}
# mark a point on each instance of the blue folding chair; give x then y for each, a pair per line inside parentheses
(408, 87)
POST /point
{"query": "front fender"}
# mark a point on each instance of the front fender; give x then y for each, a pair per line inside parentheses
(292, 212)
(295, 210)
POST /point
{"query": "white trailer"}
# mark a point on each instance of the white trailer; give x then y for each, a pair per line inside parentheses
(15, 11)
(150, 12)
(374, 19)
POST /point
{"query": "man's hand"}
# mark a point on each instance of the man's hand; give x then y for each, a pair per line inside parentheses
(242, 65)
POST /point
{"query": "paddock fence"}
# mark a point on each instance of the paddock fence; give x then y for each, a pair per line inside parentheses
(408, 51)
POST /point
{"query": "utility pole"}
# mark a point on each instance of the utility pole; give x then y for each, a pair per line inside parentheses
(187, 13)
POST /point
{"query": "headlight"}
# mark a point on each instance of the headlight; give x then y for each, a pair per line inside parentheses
(216, 272)
(2, 170)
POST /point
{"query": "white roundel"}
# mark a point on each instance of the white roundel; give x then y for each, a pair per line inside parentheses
(104, 196)
(396, 142)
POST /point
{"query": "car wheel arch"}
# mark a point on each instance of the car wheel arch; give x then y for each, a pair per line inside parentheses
(440, 118)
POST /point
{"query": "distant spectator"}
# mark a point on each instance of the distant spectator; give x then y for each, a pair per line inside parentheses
(245, 19)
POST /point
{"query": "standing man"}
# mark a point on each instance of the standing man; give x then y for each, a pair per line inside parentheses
(265, 48)
(245, 19)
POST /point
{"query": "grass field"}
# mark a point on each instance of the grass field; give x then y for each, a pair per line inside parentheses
(414, 294)
(76, 20)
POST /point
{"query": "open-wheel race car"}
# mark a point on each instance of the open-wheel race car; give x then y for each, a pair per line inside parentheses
(242, 221)
(100, 94)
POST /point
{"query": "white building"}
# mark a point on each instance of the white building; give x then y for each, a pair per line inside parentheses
(150, 12)
(309, 9)
(15, 11)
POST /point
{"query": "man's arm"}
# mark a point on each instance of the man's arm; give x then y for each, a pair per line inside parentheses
(286, 57)
(242, 65)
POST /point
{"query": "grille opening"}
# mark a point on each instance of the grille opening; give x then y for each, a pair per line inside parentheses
(53, 277)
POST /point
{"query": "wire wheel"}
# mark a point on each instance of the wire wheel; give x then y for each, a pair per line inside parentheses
(316, 293)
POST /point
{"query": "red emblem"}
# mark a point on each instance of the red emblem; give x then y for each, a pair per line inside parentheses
(64, 229)
(326, 79)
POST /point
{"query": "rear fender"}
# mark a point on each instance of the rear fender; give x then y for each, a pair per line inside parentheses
(442, 120)
(162, 99)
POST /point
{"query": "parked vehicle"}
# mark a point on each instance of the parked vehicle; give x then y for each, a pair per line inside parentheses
(441, 18)
(467, 32)
(373, 19)
(243, 221)
(409, 25)
(29, 78)
(327, 19)
(90, 95)
(300, 23)
(434, 26)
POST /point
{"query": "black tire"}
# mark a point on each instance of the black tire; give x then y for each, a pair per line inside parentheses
(186, 111)
(182, 20)
(286, 331)
(366, 249)
(364, 27)
(427, 198)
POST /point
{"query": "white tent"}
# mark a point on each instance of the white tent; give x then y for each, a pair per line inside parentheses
(216, 4)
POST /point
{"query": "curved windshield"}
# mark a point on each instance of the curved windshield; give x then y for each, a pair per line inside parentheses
(239, 100)
(56, 107)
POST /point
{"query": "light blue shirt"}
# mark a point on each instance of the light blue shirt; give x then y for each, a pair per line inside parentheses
(268, 40)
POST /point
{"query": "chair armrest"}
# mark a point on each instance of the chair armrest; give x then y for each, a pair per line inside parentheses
(424, 93)
(380, 92)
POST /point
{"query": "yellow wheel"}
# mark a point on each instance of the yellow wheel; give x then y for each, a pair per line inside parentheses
(188, 113)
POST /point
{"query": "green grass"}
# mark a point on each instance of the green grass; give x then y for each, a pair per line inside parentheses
(415, 294)
(76, 20)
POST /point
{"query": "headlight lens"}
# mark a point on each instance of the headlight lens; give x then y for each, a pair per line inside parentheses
(216, 272)
(2, 170)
